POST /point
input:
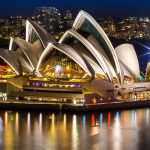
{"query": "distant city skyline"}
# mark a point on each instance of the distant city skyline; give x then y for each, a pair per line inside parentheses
(96, 8)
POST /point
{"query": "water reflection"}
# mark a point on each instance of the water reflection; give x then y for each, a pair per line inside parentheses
(1, 130)
(117, 139)
(40, 121)
(114, 130)
(74, 133)
(147, 118)
(134, 118)
(125, 118)
(101, 119)
(65, 122)
(84, 120)
(17, 122)
(93, 120)
(28, 123)
(109, 119)
(6, 119)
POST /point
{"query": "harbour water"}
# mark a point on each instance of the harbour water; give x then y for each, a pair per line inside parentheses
(108, 130)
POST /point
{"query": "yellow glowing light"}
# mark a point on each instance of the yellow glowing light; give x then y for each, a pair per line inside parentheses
(68, 68)
(8, 70)
(74, 102)
(44, 79)
(53, 74)
(68, 75)
(56, 37)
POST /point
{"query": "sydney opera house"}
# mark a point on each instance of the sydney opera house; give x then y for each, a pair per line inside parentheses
(82, 65)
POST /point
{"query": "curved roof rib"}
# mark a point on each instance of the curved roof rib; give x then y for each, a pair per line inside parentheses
(30, 51)
(126, 72)
(11, 44)
(25, 51)
(47, 50)
(95, 67)
(84, 19)
(147, 75)
(71, 53)
(67, 50)
(43, 35)
(99, 59)
(128, 58)
(11, 58)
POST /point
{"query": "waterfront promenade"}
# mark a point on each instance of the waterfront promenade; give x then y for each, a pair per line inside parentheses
(47, 106)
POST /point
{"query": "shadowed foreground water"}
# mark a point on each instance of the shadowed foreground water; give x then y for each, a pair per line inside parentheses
(127, 130)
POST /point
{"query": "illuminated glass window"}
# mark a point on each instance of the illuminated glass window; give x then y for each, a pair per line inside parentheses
(58, 65)
(5, 70)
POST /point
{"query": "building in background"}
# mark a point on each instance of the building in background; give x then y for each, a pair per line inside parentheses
(12, 26)
(48, 17)
(68, 19)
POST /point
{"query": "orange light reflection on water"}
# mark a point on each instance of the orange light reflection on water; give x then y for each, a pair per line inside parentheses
(109, 119)
(93, 120)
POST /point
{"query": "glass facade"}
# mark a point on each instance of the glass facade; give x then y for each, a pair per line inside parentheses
(34, 37)
(58, 65)
(82, 50)
(5, 70)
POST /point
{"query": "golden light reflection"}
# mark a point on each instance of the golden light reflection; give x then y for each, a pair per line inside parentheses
(8, 136)
(74, 133)
(64, 120)
(17, 123)
(53, 128)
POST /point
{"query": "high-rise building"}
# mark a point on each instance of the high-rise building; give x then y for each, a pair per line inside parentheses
(48, 17)
(68, 19)
(68, 15)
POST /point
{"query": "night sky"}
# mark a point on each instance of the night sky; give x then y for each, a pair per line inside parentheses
(97, 8)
